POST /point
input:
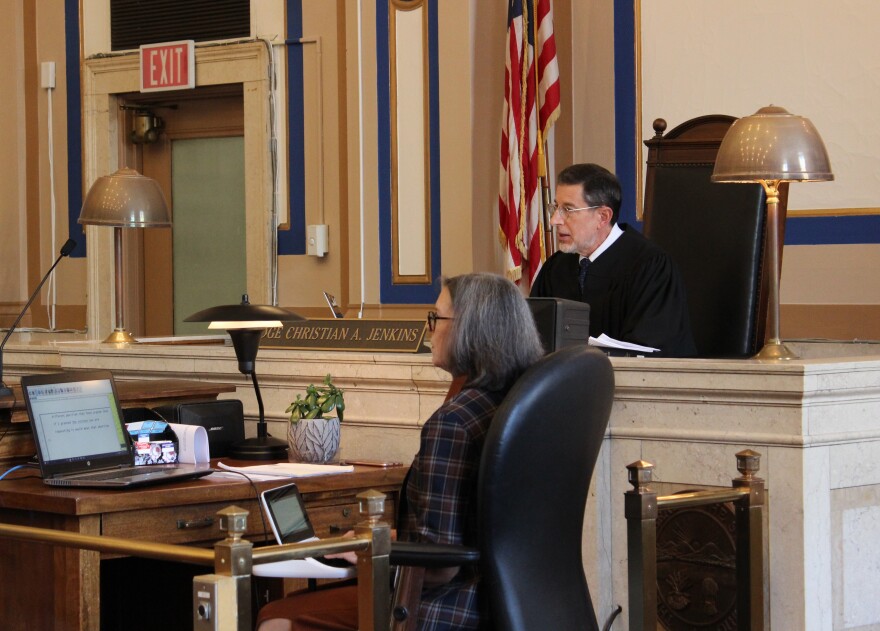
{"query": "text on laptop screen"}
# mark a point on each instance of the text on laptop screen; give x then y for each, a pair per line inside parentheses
(77, 419)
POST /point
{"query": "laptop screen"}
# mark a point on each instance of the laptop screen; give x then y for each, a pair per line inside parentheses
(76, 421)
(287, 514)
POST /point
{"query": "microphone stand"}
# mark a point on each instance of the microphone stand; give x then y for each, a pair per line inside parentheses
(66, 249)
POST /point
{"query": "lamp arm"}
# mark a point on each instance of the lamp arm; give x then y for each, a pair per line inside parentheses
(261, 425)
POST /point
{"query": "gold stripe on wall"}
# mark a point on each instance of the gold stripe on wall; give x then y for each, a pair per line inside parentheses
(833, 212)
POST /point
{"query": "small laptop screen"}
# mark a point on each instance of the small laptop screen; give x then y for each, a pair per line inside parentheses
(76, 420)
(287, 514)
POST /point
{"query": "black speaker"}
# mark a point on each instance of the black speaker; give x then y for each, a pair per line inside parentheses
(223, 420)
(560, 322)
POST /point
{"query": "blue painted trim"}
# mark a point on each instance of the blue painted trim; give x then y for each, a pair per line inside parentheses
(74, 127)
(293, 241)
(625, 106)
(430, 295)
(383, 153)
(798, 230)
(388, 291)
(832, 230)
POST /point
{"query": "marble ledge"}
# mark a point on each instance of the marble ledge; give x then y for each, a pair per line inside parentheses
(809, 377)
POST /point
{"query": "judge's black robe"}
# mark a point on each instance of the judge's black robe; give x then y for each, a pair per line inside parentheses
(634, 290)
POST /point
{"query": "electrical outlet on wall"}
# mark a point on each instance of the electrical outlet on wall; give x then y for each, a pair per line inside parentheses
(47, 74)
(317, 239)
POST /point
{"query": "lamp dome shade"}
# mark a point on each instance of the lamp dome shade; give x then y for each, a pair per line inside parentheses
(125, 199)
(244, 315)
(772, 144)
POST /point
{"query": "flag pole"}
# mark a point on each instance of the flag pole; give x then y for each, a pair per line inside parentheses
(547, 241)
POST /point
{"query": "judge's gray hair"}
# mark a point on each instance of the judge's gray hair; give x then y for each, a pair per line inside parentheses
(493, 338)
(599, 186)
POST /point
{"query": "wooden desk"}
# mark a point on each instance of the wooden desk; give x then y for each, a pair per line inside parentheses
(18, 442)
(46, 587)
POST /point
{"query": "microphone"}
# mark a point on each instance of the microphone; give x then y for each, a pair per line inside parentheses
(66, 249)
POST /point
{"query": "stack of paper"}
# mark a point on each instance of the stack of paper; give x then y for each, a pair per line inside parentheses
(603, 341)
(289, 469)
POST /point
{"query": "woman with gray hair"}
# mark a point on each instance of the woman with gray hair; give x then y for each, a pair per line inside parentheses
(484, 334)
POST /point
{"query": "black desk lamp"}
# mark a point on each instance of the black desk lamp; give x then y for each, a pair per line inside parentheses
(245, 324)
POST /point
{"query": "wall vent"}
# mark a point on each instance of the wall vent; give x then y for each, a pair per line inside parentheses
(137, 22)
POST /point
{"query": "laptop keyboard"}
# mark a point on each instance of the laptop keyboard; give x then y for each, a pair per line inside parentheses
(113, 474)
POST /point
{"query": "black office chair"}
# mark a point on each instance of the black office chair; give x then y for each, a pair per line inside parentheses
(715, 233)
(535, 475)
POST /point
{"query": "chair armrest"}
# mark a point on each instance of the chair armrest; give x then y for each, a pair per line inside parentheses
(431, 554)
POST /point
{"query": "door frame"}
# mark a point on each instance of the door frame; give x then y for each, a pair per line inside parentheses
(104, 151)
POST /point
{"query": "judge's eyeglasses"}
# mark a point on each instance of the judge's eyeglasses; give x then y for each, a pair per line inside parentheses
(432, 320)
(565, 212)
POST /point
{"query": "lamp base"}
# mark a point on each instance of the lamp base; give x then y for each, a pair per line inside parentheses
(776, 350)
(259, 448)
(120, 336)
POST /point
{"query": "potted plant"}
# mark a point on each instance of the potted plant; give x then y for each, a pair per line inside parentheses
(312, 436)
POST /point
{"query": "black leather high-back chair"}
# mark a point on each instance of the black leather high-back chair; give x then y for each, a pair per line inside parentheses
(714, 232)
(535, 474)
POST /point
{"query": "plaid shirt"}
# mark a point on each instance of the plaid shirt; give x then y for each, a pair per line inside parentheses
(441, 497)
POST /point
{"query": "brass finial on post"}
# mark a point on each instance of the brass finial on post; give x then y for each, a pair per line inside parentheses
(372, 505)
(641, 474)
(233, 521)
(748, 463)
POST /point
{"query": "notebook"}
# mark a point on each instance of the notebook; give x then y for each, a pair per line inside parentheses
(80, 436)
(290, 523)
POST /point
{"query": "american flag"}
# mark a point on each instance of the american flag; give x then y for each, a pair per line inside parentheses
(526, 110)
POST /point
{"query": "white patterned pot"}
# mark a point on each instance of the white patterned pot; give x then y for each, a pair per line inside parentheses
(313, 440)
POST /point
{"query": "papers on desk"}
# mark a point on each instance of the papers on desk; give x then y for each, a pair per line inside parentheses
(192, 444)
(603, 341)
(289, 469)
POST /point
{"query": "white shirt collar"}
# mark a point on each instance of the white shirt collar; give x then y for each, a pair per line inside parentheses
(613, 236)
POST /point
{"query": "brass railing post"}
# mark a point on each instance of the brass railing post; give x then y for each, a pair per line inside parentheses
(640, 505)
(374, 602)
(749, 543)
(222, 601)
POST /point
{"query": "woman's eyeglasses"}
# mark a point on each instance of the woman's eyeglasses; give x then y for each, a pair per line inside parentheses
(432, 320)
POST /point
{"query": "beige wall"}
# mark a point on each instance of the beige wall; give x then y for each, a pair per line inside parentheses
(33, 33)
(694, 62)
(471, 48)
(12, 150)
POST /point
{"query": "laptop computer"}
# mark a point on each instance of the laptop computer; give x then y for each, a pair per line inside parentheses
(81, 440)
(334, 308)
(290, 523)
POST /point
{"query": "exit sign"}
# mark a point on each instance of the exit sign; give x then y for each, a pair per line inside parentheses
(168, 66)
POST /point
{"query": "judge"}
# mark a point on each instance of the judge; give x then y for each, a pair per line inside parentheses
(634, 289)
